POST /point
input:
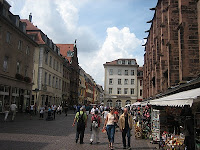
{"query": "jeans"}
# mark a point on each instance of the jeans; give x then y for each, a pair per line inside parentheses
(111, 133)
(124, 133)
(6, 115)
(95, 133)
(13, 114)
(80, 131)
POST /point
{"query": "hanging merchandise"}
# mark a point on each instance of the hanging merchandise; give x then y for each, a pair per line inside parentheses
(155, 125)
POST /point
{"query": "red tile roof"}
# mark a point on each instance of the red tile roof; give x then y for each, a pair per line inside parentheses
(64, 48)
(30, 25)
(33, 30)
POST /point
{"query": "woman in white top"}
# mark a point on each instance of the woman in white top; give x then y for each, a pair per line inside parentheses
(109, 125)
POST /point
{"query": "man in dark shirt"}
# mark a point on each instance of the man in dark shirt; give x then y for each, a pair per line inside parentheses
(125, 125)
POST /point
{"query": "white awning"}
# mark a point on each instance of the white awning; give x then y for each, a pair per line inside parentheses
(178, 99)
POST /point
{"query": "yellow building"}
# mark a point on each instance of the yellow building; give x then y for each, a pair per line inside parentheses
(48, 69)
(82, 87)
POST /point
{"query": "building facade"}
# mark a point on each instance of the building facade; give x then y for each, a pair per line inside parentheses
(69, 52)
(16, 69)
(66, 82)
(172, 48)
(121, 83)
(48, 68)
(82, 87)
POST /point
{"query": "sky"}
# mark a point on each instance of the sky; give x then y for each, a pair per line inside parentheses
(105, 30)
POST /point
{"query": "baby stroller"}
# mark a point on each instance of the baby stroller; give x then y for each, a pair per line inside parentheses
(49, 116)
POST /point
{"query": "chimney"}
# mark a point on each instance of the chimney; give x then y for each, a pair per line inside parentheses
(30, 17)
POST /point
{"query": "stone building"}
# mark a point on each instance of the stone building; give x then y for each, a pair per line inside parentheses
(172, 48)
(121, 82)
(16, 59)
(48, 68)
(66, 82)
(69, 51)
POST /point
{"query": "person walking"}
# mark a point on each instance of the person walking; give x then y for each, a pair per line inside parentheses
(81, 119)
(125, 125)
(6, 111)
(94, 109)
(109, 125)
(42, 109)
(95, 120)
(53, 108)
(31, 110)
(13, 108)
(105, 113)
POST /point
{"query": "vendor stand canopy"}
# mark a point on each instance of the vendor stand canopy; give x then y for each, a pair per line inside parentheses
(178, 99)
(136, 104)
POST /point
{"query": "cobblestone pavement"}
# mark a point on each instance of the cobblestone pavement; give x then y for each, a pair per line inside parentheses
(35, 134)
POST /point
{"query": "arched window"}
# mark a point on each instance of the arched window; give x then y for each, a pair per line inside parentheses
(118, 103)
(128, 102)
(109, 103)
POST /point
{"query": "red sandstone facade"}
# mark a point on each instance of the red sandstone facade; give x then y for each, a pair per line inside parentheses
(172, 48)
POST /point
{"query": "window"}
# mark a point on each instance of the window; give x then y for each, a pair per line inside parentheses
(128, 102)
(57, 66)
(109, 103)
(50, 61)
(54, 64)
(119, 91)
(119, 81)
(132, 72)
(56, 82)
(27, 50)
(119, 62)
(53, 80)
(132, 91)
(8, 37)
(126, 62)
(119, 72)
(118, 103)
(125, 81)
(46, 58)
(111, 72)
(125, 90)
(20, 43)
(132, 62)
(18, 67)
(140, 92)
(49, 80)
(61, 67)
(45, 78)
(110, 90)
(140, 82)
(5, 64)
(26, 71)
(126, 72)
(110, 81)
(59, 83)
(132, 81)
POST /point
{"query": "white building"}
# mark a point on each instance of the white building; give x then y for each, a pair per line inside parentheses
(123, 82)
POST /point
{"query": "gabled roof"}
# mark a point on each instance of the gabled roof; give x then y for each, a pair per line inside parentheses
(64, 48)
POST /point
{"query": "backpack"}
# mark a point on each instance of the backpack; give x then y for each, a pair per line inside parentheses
(95, 122)
(81, 122)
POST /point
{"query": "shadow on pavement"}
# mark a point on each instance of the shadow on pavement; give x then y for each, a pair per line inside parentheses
(18, 145)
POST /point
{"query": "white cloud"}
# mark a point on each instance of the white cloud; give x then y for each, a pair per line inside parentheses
(118, 44)
(59, 19)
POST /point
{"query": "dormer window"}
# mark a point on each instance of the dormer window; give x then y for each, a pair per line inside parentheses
(119, 62)
(133, 62)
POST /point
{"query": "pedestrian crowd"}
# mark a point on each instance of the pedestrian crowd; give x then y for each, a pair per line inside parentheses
(51, 111)
(111, 120)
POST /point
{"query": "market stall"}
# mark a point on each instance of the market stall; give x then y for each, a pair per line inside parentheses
(173, 120)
